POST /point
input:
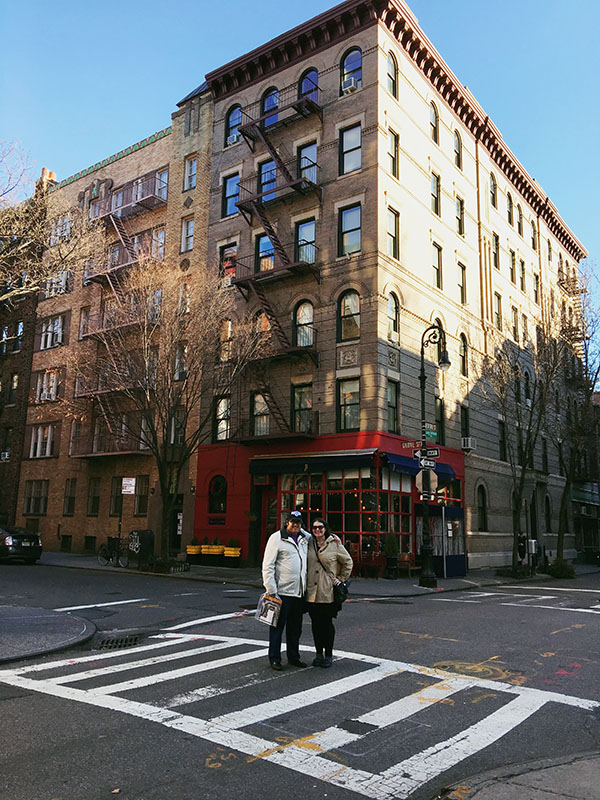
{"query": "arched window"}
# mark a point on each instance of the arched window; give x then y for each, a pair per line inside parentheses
(308, 85)
(304, 332)
(233, 120)
(482, 517)
(560, 267)
(270, 102)
(493, 191)
(348, 316)
(393, 317)
(549, 250)
(548, 514)
(509, 209)
(434, 123)
(217, 495)
(464, 355)
(519, 220)
(392, 75)
(533, 235)
(458, 154)
(351, 68)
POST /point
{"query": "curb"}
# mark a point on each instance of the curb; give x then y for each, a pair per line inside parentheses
(84, 637)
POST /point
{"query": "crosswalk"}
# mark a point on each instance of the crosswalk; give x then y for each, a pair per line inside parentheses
(578, 604)
(173, 670)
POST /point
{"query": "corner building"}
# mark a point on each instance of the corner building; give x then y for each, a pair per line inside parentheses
(359, 194)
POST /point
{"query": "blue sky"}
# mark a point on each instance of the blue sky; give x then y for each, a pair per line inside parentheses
(80, 81)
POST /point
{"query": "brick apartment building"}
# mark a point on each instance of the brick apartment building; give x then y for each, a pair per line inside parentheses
(352, 193)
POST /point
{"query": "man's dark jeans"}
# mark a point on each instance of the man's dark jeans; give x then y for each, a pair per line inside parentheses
(290, 618)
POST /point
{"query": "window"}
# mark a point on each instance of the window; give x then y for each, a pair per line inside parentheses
(116, 496)
(462, 283)
(189, 176)
(93, 502)
(69, 498)
(536, 288)
(519, 220)
(349, 405)
(393, 318)
(304, 333)
(13, 388)
(5, 339)
(47, 385)
(260, 422)
(524, 327)
(465, 426)
(463, 352)
(140, 501)
(61, 230)
(434, 123)
(522, 283)
(233, 120)
(513, 266)
(302, 403)
(222, 419)
(436, 262)
(228, 259)
(177, 427)
(350, 149)
(270, 103)
(560, 267)
(549, 251)
(305, 241)
(36, 497)
(502, 453)
(436, 190)
(349, 230)
(307, 162)
(493, 191)
(458, 150)
(497, 311)
(392, 407)
(392, 75)
(440, 421)
(264, 254)
(393, 143)
(58, 284)
(5, 443)
(225, 338)
(52, 334)
(44, 441)
(496, 250)
(533, 235)
(527, 389)
(162, 183)
(348, 316)
(515, 323)
(308, 85)
(460, 216)
(482, 519)
(393, 225)
(229, 195)
(545, 456)
(180, 373)
(266, 180)
(509, 209)
(187, 234)
(351, 68)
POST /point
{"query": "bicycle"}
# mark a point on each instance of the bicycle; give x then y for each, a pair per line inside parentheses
(115, 552)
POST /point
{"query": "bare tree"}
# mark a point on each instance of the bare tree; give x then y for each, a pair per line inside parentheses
(518, 381)
(161, 340)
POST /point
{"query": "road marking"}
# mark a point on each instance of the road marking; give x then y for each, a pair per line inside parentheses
(555, 589)
(101, 605)
(203, 620)
(555, 608)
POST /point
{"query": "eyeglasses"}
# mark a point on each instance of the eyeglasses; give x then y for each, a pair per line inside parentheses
(318, 527)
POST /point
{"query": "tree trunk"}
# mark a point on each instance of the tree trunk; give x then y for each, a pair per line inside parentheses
(563, 519)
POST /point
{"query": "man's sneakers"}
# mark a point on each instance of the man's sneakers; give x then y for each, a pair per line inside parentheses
(295, 662)
(318, 661)
(322, 661)
(327, 661)
(276, 665)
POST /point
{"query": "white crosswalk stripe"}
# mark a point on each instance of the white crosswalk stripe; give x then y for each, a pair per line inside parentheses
(308, 755)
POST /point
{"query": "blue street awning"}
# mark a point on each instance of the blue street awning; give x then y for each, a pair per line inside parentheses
(410, 466)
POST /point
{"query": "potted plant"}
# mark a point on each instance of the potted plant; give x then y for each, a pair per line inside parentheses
(232, 553)
(214, 553)
(391, 550)
(193, 550)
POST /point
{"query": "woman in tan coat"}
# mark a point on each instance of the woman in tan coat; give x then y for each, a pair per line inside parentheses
(328, 563)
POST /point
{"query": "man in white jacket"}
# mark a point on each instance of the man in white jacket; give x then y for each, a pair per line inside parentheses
(284, 574)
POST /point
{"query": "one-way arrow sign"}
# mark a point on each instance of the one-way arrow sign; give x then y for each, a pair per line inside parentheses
(429, 452)
(425, 463)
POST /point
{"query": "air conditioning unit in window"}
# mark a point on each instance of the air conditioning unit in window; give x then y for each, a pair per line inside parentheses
(393, 337)
(5, 455)
(349, 85)
(468, 443)
(234, 139)
(585, 512)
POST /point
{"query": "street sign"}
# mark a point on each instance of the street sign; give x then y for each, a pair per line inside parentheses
(433, 481)
(409, 445)
(417, 454)
(426, 463)
(431, 434)
(429, 452)
(128, 486)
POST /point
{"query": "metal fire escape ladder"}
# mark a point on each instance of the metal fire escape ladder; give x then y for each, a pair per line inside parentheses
(276, 328)
(124, 237)
(109, 412)
(272, 404)
(280, 251)
(275, 155)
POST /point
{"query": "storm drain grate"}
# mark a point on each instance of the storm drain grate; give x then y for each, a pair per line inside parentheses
(118, 642)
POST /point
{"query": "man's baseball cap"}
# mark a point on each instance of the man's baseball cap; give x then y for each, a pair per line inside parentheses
(295, 516)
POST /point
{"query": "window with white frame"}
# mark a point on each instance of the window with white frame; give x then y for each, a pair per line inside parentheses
(36, 497)
(44, 441)
(177, 427)
(187, 234)
(181, 362)
(189, 178)
(158, 243)
(162, 183)
(60, 231)
(47, 386)
(58, 284)
(53, 329)
(222, 419)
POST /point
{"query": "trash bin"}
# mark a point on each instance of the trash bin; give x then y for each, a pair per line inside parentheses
(141, 544)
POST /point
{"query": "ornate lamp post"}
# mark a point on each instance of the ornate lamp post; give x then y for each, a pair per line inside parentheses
(434, 335)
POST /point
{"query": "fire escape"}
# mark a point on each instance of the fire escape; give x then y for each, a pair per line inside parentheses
(279, 180)
(136, 197)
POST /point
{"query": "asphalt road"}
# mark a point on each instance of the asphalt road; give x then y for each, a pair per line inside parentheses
(423, 693)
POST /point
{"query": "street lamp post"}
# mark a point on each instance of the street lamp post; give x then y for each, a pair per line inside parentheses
(433, 335)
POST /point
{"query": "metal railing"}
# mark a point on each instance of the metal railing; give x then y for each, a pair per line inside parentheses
(135, 197)
(267, 262)
(105, 443)
(274, 183)
(289, 99)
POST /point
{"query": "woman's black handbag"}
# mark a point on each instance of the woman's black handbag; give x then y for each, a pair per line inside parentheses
(340, 592)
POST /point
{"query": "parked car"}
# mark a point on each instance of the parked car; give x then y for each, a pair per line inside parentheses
(19, 543)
